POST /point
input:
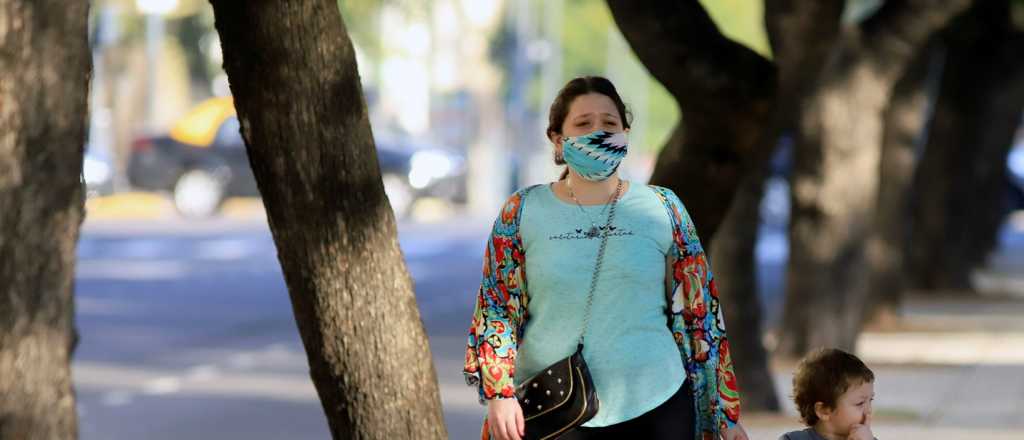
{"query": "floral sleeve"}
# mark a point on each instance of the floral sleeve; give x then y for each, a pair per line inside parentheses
(697, 322)
(500, 308)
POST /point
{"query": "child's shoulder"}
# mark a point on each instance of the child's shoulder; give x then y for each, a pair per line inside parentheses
(803, 434)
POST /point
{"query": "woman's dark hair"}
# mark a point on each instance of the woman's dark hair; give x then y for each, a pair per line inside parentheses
(575, 88)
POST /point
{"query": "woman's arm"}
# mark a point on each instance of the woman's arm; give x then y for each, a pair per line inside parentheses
(727, 392)
(500, 308)
(698, 324)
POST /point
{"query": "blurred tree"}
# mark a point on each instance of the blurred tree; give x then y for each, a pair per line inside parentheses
(836, 167)
(906, 119)
(304, 121)
(726, 95)
(961, 179)
(743, 111)
(44, 81)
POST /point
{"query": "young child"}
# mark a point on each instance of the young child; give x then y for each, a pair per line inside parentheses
(833, 390)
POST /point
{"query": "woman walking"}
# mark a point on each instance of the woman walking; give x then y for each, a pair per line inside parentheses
(643, 348)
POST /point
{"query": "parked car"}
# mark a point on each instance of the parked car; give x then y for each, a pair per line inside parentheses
(203, 160)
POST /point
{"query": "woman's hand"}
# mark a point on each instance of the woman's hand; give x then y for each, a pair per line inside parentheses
(505, 418)
(735, 433)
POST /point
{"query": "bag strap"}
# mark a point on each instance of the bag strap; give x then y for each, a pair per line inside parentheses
(599, 263)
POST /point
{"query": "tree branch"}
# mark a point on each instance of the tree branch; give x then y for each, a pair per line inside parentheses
(900, 27)
(801, 34)
(683, 49)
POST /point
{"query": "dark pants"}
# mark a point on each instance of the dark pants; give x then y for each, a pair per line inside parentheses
(673, 419)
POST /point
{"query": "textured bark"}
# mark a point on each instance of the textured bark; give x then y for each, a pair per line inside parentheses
(835, 172)
(725, 93)
(44, 81)
(961, 180)
(906, 119)
(292, 70)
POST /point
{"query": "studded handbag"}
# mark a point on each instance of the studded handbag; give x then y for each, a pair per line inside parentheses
(562, 397)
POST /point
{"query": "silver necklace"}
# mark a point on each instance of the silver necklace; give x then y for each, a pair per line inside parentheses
(594, 230)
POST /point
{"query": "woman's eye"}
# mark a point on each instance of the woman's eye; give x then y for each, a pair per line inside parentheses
(581, 124)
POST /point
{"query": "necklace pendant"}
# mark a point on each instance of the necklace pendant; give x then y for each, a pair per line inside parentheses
(592, 232)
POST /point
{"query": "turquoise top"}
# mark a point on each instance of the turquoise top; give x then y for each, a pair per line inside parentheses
(629, 348)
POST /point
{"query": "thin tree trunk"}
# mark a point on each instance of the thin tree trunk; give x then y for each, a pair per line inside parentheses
(835, 173)
(961, 179)
(44, 80)
(293, 73)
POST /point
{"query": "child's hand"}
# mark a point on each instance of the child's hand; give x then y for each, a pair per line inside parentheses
(862, 431)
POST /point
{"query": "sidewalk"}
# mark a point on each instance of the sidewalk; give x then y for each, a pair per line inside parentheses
(966, 382)
(953, 370)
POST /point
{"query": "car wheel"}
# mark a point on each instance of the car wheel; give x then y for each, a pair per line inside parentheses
(399, 193)
(198, 193)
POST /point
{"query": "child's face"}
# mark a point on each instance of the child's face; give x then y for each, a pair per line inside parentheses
(852, 408)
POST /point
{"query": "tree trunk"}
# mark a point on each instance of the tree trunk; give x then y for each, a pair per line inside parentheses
(835, 173)
(800, 38)
(292, 70)
(962, 177)
(44, 81)
(735, 271)
(725, 93)
(906, 119)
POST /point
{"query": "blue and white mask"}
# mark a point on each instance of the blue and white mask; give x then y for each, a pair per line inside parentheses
(595, 155)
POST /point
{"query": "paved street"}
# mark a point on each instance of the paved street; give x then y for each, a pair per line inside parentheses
(187, 332)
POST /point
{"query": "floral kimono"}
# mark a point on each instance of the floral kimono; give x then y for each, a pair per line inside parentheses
(695, 318)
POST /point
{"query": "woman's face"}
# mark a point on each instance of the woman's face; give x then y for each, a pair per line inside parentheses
(588, 113)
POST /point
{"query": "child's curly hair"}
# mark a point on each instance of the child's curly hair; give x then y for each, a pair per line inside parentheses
(824, 375)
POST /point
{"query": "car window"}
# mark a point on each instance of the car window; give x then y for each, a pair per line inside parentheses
(228, 135)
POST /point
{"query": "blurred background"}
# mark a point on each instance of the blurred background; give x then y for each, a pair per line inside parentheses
(185, 323)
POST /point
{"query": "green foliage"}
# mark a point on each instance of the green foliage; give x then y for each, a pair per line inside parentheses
(742, 21)
(361, 22)
(589, 37)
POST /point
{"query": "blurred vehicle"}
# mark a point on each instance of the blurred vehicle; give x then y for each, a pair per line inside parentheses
(775, 206)
(203, 161)
(97, 173)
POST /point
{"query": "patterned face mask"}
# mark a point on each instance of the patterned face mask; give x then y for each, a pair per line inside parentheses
(595, 155)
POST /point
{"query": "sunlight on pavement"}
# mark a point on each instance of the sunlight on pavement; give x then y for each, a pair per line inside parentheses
(132, 380)
(952, 348)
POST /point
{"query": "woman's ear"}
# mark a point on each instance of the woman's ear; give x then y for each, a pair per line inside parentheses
(822, 411)
(556, 139)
